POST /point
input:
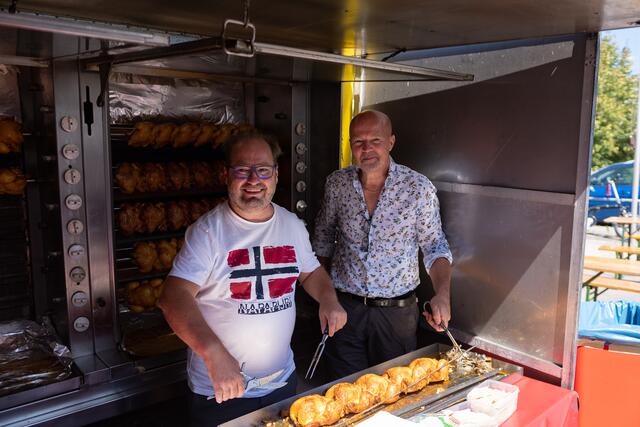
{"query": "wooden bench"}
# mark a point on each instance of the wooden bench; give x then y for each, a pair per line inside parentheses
(608, 283)
(620, 250)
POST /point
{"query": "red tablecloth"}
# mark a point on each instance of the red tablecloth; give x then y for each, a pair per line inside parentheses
(542, 404)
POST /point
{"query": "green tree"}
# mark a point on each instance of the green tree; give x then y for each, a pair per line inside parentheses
(616, 106)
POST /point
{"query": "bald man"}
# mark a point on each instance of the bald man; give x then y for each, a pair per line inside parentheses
(374, 217)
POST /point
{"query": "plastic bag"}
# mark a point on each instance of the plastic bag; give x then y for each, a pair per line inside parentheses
(616, 322)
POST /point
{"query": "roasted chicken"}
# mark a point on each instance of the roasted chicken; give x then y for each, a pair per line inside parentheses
(167, 250)
(186, 134)
(154, 217)
(203, 175)
(129, 219)
(142, 135)
(401, 376)
(127, 177)
(179, 177)
(177, 215)
(315, 411)
(207, 134)
(145, 256)
(163, 134)
(379, 387)
(12, 181)
(11, 138)
(370, 389)
(142, 296)
(353, 397)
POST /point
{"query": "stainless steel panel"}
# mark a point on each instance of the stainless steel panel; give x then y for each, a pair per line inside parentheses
(300, 167)
(510, 280)
(97, 182)
(407, 406)
(364, 27)
(509, 155)
(68, 104)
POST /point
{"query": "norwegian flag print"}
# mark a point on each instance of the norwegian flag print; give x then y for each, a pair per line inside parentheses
(253, 267)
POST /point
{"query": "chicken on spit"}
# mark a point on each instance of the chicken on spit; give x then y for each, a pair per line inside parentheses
(12, 181)
(154, 217)
(186, 134)
(167, 250)
(145, 256)
(143, 296)
(142, 135)
(127, 177)
(129, 221)
(10, 136)
(163, 134)
(177, 215)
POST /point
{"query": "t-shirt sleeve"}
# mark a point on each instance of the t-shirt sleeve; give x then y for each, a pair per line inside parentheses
(308, 260)
(193, 262)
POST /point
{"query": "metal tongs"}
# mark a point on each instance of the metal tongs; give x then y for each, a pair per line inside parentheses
(427, 307)
(317, 354)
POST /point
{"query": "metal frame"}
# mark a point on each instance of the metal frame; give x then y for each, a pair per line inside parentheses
(68, 105)
(300, 165)
(587, 118)
(76, 27)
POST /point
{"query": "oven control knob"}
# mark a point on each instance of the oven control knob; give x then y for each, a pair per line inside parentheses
(301, 149)
(70, 151)
(75, 226)
(72, 176)
(69, 124)
(301, 167)
(301, 205)
(77, 274)
(79, 299)
(76, 251)
(300, 129)
(81, 324)
(73, 202)
(301, 186)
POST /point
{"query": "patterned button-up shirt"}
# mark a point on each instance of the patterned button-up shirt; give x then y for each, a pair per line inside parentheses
(377, 256)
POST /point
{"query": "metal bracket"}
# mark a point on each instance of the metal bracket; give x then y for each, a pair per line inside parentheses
(105, 69)
(245, 48)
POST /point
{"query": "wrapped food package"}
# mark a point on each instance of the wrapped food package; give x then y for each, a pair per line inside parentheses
(30, 356)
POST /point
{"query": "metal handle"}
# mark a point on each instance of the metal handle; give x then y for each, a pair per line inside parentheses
(250, 50)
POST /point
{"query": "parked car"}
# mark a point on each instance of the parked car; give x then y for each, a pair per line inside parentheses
(604, 184)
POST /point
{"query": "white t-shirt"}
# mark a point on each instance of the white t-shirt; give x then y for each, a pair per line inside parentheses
(247, 274)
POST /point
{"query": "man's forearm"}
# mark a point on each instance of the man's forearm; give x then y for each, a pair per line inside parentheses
(440, 273)
(318, 285)
(183, 315)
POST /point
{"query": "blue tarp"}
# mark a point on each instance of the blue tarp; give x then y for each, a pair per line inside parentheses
(616, 322)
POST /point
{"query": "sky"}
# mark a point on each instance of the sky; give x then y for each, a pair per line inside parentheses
(629, 37)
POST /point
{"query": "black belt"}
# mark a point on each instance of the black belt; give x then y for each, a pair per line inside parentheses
(399, 301)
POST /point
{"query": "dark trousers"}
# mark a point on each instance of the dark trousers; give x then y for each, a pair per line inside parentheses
(209, 413)
(371, 336)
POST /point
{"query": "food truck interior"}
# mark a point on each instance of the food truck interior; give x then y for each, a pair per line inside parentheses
(493, 103)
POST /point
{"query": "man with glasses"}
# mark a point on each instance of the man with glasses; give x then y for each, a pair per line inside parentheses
(374, 218)
(230, 294)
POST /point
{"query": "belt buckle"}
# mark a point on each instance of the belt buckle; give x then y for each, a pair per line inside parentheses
(365, 300)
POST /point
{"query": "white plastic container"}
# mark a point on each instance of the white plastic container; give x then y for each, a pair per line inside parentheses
(494, 398)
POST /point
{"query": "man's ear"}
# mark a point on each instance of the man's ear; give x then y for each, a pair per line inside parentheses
(392, 142)
(276, 173)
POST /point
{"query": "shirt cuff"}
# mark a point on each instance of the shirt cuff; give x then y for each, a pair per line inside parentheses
(429, 260)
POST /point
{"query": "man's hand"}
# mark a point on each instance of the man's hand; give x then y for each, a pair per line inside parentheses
(331, 313)
(319, 286)
(224, 372)
(440, 312)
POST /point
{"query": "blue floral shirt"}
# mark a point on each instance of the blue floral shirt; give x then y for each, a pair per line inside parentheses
(377, 256)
